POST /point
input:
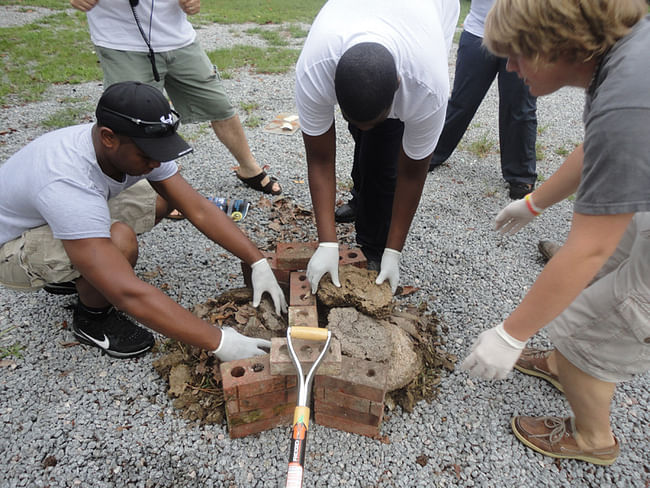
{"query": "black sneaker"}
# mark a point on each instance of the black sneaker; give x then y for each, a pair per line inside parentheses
(112, 332)
(519, 190)
(65, 288)
(346, 213)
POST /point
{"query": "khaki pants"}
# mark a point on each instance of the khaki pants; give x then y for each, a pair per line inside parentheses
(36, 258)
(605, 332)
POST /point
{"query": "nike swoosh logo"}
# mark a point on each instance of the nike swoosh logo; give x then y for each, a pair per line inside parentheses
(103, 344)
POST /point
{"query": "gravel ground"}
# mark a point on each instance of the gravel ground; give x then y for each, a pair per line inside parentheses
(72, 417)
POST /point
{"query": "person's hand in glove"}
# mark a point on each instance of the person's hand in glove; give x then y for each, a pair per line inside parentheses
(235, 346)
(324, 260)
(264, 280)
(493, 355)
(516, 215)
(389, 268)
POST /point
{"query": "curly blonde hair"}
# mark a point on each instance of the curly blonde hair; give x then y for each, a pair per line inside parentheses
(572, 30)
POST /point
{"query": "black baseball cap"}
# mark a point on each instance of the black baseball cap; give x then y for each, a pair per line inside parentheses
(142, 112)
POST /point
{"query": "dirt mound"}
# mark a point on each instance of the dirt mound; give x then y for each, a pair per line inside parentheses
(193, 376)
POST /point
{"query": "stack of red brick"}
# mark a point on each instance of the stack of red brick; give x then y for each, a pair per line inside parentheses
(261, 392)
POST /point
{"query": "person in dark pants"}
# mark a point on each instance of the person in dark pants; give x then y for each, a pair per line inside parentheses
(375, 157)
(476, 69)
(386, 68)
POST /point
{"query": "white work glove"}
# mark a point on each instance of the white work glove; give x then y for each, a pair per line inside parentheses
(389, 268)
(264, 280)
(324, 260)
(235, 346)
(516, 215)
(493, 355)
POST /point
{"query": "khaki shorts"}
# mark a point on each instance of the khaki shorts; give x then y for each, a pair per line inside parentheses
(36, 258)
(187, 75)
(605, 332)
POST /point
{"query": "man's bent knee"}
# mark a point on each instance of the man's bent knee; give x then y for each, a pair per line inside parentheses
(125, 239)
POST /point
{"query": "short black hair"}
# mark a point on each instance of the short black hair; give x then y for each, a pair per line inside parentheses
(365, 81)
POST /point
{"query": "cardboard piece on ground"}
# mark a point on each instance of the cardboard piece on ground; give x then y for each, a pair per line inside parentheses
(285, 124)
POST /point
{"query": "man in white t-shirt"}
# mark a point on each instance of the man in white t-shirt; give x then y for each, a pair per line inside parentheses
(156, 44)
(72, 202)
(385, 64)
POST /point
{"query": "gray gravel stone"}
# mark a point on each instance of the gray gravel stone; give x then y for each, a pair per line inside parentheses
(109, 423)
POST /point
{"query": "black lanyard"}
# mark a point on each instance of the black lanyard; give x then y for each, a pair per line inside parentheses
(151, 54)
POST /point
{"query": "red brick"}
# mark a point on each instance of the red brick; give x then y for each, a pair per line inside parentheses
(346, 425)
(255, 402)
(262, 413)
(294, 256)
(347, 414)
(300, 290)
(255, 427)
(360, 378)
(250, 377)
(303, 316)
(355, 257)
(349, 402)
(236, 404)
(307, 351)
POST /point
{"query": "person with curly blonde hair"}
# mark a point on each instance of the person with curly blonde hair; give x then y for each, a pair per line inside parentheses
(593, 296)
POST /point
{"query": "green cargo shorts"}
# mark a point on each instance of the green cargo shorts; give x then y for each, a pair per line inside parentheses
(188, 76)
(36, 258)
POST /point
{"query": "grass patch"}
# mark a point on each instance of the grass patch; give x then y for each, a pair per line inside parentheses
(259, 12)
(481, 147)
(253, 121)
(539, 151)
(261, 60)
(51, 4)
(248, 107)
(55, 50)
(273, 37)
(562, 151)
(296, 31)
(68, 116)
(13, 350)
(280, 36)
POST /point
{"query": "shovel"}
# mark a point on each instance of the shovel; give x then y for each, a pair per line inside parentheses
(301, 413)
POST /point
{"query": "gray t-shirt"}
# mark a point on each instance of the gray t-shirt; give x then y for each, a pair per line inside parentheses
(56, 179)
(616, 169)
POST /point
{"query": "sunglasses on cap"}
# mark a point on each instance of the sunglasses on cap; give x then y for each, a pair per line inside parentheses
(159, 128)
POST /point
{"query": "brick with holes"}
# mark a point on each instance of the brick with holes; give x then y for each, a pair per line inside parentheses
(303, 316)
(354, 257)
(256, 400)
(307, 352)
(294, 256)
(300, 290)
(352, 401)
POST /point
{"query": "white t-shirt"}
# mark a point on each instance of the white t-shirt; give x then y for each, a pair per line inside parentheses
(112, 25)
(56, 179)
(417, 33)
(475, 21)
